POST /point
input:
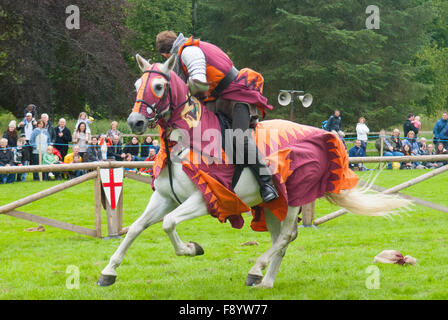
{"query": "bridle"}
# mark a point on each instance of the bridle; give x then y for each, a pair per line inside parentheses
(167, 108)
(159, 117)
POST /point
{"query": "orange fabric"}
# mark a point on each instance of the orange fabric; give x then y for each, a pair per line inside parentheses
(161, 158)
(253, 77)
(227, 202)
(141, 92)
(347, 178)
(214, 76)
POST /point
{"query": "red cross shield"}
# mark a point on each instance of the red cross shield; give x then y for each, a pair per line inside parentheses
(112, 181)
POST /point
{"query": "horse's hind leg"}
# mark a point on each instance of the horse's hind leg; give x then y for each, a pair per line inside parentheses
(191, 208)
(156, 209)
(282, 233)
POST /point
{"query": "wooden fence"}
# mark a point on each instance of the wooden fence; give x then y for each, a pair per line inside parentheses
(114, 216)
(309, 213)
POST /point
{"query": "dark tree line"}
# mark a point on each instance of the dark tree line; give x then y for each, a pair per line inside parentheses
(320, 46)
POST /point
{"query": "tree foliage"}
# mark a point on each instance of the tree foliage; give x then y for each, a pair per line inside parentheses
(319, 46)
(324, 47)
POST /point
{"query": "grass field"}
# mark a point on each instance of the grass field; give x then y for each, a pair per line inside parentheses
(328, 263)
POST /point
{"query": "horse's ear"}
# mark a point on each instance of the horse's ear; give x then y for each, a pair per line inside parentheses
(169, 64)
(142, 62)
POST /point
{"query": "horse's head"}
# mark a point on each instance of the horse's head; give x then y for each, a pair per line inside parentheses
(155, 97)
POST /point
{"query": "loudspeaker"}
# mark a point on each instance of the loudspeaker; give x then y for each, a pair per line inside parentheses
(284, 98)
(306, 99)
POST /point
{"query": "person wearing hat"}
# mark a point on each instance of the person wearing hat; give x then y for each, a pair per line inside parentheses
(27, 125)
(11, 134)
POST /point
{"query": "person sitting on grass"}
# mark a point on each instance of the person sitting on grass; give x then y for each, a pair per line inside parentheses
(22, 157)
(130, 157)
(94, 151)
(422, 146)
(133, 147)
(50, 158)
(430, 152)
(407, 152)
(357, 151)
(74, 157)
(155, 145)
(441, 150)
(151, 157)
(115, 150)
(393, 146)
(6, 160)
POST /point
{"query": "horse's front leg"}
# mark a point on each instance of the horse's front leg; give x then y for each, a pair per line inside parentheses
(191, 208)
(156, 209)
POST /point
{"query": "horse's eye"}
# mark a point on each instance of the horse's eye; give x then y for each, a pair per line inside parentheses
(158, 87)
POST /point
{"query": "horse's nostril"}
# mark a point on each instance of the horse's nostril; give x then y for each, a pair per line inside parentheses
(139, 124)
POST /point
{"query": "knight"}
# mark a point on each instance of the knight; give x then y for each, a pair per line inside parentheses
(225, 90)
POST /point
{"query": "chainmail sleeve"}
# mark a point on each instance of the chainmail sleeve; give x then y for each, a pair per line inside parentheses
(194, 59)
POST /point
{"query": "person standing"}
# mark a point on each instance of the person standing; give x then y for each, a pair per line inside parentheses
(362, 132)
(40, 140)
(113, 130)
(408, 126)
(82, 138)
(63, 137)
(440, 130)
(335, 122)
(47, 125)
(11, 134)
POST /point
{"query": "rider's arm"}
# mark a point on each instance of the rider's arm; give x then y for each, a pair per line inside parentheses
(194, 60)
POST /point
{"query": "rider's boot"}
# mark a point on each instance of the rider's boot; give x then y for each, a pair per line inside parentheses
(252, 157)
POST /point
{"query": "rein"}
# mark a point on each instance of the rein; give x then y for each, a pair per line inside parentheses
(158, 117)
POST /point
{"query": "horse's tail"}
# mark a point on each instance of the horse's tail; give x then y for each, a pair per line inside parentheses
(363, 202)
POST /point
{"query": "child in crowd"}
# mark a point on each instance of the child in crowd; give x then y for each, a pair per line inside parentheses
(144, 149)
(50, 158)
(86, 119)
(130, 157)
(155, 145)
(416, 122)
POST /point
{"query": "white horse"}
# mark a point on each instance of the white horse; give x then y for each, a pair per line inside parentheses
(163, 206)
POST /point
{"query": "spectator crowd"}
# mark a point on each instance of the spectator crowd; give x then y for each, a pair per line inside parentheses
(35, 141)
(396, 145)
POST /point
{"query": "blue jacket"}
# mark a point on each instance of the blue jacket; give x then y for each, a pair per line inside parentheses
(441, 129)
(356, 152)
(413, 144)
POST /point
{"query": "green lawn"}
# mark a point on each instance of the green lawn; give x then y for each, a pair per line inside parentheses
(327, 263)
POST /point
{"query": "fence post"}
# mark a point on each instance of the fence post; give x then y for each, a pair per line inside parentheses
(308, 215)
(97, 193)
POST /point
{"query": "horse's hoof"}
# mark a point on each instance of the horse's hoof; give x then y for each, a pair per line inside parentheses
(106, 280)
(198, 249)
(253, 280)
